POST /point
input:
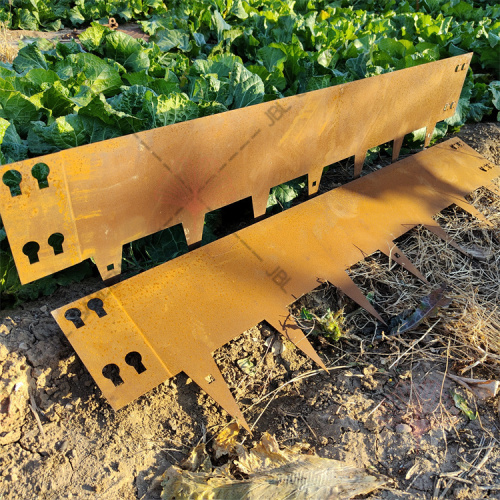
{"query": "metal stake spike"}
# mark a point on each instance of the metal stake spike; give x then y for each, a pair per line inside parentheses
(428, 133)
(291, 331)
(394, 253)
(471, 209)
(441, 233)
(359, 160)
(313, 180)
(343, 282)
(396, 148)
(214, 385)
(259, 202)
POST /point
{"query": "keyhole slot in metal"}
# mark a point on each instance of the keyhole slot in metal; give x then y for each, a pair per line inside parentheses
(31, 250)
(41, 173)
(134, 359)
(74, 315)
(12, 179)
(97, 305)
(56, 241)
(112, 372)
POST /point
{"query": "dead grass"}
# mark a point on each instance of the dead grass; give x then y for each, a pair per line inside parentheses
(7, 51)
(472, 321)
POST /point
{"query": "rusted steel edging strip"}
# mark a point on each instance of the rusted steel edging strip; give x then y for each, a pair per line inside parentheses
(175, 315)
(103, 195)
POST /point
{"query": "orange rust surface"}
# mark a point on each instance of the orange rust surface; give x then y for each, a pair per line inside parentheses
(104, 195)
(177, 314)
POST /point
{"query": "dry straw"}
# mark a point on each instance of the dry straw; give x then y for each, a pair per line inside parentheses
(472, 321)
(7, 51)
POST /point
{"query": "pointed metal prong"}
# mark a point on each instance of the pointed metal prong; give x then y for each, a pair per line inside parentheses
(194, 231)
(109, 264)
(441, 233)
(396, 148)
(204, 371)
(291, 331)
(359, 160)
(346, 285)
(394, 253)
(471, 209)
(428, 133)
(259, 202)
(313, 180)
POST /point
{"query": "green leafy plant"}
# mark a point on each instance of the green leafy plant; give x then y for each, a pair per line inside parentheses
(461, 404)
(330, 324)
(206, 57)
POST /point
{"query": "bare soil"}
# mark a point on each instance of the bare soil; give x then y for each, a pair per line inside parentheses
(66, 34)
(385, 404)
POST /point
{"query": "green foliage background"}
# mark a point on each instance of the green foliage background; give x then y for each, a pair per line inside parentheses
(208, 57)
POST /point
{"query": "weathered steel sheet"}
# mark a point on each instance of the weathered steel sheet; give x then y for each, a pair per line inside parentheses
(134, 335)
(101, 196)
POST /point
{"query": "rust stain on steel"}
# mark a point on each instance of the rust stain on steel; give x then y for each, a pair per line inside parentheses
(175, 315)
(103, 195)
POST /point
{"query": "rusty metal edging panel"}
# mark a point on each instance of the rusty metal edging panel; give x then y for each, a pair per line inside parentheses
(103, 195)
(171, 318)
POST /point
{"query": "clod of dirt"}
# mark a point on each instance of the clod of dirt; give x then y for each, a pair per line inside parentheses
(403, 429)
(15, 383)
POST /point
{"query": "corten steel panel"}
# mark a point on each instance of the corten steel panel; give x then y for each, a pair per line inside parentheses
(104, 195)
(177, 314)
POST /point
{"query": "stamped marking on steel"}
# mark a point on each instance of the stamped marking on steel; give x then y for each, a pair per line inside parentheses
(138, 333)
(98, 197)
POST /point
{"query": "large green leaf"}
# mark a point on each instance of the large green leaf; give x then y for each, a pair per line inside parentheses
(29, 57)
(272, 58)
(12, 147)
(4, 124)
(131, 100)
(247, 87)
(220, 65)
(127, 51)
(495, 92)
(27, 20)
(156, 23)
(219, 25)
(100, 109)
(393, 47)
(56, 99)
(282, 196)
(68, 132)
(40, 78)
(295, 58)
(19, 109)
(90, 71)
(165, 110)
(93, 37)
(209, 88)
(168, 39)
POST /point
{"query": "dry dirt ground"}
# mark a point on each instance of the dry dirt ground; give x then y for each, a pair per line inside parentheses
(10, 39)
(385, 404)
(14, 36)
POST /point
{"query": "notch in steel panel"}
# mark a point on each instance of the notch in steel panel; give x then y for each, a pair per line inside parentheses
(175, 315)
(95, 198)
